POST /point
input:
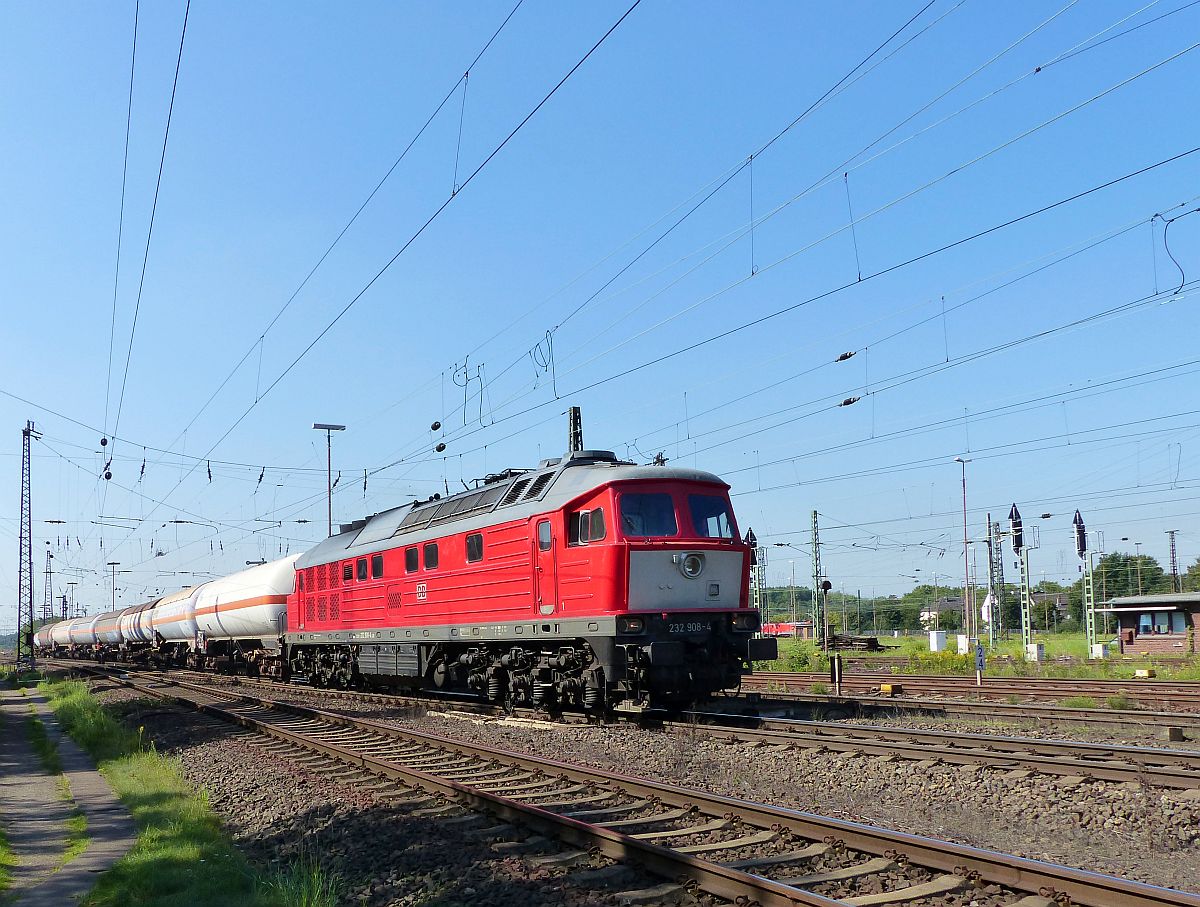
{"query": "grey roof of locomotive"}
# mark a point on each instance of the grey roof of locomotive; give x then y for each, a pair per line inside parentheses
(550, 486)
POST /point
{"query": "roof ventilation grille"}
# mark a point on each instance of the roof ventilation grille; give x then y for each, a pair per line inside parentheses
(538, 486)
(514, 492)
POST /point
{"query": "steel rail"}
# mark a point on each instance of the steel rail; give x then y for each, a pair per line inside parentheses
(1061, 883)
(1178, 692)
(1175, 768)
(898, 705)
(1097, 761)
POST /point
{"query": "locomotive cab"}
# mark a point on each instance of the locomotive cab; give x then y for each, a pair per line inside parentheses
(678, 573)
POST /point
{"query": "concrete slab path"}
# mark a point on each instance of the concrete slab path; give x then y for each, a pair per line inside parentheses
(33, 813)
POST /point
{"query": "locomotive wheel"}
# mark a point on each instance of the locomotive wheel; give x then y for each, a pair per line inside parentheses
(439, 676)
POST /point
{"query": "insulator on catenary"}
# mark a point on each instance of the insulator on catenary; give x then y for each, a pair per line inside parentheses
(849, 400)
(845, 356)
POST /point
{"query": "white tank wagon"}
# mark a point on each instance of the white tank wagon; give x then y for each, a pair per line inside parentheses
(82, 631)
(173, 617)
(132, 626)
(41, 639)
(107, 631)
(251, 604)
(60, 633)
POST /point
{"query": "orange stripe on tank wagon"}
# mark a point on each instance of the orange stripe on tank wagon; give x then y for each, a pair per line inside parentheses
(224, 607)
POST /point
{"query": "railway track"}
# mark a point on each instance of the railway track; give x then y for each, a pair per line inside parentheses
(848, 704)
(1156, 693)
(1174, 768)
(1145, 765)
(736, 850)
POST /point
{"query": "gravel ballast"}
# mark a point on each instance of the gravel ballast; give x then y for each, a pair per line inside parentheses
(1143, 833)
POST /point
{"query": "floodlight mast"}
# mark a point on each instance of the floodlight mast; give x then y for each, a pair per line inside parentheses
(328, 428)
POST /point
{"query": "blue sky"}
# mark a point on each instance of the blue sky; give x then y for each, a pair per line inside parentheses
(287, 116)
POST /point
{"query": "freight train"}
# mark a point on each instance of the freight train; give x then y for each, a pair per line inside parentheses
(588, 582)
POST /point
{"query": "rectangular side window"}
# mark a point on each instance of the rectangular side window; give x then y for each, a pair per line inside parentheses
(376, 566)
(431, 556)
(545, 540)
(585, 526)
(474, 547)
(362, 569)
(411, 560)
(347, 572)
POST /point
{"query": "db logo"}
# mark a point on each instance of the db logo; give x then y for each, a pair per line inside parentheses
(421, 592)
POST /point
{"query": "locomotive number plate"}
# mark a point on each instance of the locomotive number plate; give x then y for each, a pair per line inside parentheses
(694, 626)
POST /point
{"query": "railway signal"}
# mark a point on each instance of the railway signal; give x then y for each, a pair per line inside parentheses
(1021, 549)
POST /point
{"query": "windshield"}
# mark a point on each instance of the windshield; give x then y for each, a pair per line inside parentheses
(644, 515)
(710, 516)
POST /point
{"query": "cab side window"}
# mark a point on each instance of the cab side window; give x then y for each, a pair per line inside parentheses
(585, 526)
(431, 556)
(361, 569)
(474, 547)
(376, 566)
(412, 560)
(545, 539)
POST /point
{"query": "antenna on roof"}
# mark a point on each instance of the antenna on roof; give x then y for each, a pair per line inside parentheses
(574, 430)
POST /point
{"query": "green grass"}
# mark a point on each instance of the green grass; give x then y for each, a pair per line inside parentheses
(912, 656)
(47, 752)
(304, 884)
(77, 837)
(182, 857)
(1120, 702)
(7, 861)
(1079, 702)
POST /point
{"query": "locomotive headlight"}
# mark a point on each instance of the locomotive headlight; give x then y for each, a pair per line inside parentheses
(630, 625)
(749, 621)
(690, 565)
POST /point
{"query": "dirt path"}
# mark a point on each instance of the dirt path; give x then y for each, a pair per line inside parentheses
(34, 813)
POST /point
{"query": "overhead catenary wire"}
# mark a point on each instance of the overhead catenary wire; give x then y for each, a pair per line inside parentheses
(153, 212)
(258, 343)
(408, 243)
(778, 312)
(112, 332)
(835, 232)
(1079, 47)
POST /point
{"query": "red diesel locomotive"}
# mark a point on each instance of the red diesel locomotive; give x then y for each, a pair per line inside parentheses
(587, 582)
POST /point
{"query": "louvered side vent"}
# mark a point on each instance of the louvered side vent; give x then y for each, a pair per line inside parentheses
(310, 609)
(310, 578)
(334, 575)
(393, 601)
(538, 486)
(514, 492)
(335, 606)
(321, 575)
(322, 608)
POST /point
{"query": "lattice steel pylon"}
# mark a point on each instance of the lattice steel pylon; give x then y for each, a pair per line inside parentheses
(25, 544)
(818, 624)
(48, 603)
(995, 546)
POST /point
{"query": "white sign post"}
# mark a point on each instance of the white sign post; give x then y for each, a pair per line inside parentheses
(980, 664)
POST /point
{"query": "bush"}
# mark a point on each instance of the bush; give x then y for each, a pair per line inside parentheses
(1119, 701)
(940, 663)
